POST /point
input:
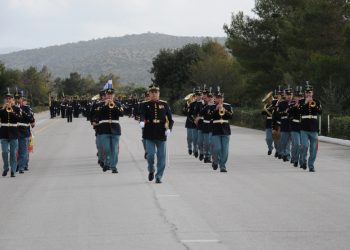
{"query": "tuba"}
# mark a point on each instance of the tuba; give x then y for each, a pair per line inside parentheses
(267, 100)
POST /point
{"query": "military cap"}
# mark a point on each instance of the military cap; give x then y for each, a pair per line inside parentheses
(153, 87)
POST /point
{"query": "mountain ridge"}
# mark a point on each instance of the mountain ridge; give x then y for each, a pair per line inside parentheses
(128, 56)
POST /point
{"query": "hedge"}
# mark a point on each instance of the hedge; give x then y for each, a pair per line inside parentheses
(340, 127)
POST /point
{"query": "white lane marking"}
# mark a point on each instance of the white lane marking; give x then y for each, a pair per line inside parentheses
(200, 241)
(168, 195)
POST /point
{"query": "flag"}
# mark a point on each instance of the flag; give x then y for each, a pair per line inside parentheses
(108, 85)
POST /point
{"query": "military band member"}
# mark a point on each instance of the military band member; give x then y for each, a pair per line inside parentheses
(156, 119)
(24, 123)
(221, 132)
(195, 108)
(207, 128)
(310, 108)
(63, 108)
(108, 114)
(69, 110)
(294, 117)
(267, 112)
(94, 122)
(10, 115)
(146, 99)
(190, 125)
(276, 123)
(52, 108)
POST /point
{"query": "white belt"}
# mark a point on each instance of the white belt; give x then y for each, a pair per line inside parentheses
(108, 121)
(284, 117)
(23, 124)
(295, 120)
(8, 125)
(269, 118)
(309, 117)
(206, 121)
(220, 121)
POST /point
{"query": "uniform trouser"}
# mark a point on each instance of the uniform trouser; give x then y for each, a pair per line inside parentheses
(153, 147)
(69, 117)
(277, 146)
(189, 138)
(22, 152)
(305, 137)
(99, 147)
(110, 144)
(207, 147)
(200, 141)
(268, 138)
(295, 157)
(220, 149)
(58, 111)
(285, 144)
(9, 145)
(195, 139)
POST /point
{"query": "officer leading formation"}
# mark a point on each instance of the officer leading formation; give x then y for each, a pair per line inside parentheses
(292, 125)
(16, 121)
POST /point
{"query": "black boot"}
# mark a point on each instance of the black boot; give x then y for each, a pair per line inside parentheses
(195, 154)
(296, 164)
(13, 174)
(190, 151)
(276, 154)
(4, 173)
(214, 166)
(269, 152)
(201, 157)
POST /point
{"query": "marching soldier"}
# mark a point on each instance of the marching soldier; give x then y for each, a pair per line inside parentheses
(69, 110)
(294, 117)
(10, 115)
(207, 126)
(52, 108)
(156, 119)
(108, 113)
(221, 132)
(276, 123)
(25, 122)
(140, 108)
(267, 111)
(63, 108)
(310, 108)
(190, 125)
(195, 108)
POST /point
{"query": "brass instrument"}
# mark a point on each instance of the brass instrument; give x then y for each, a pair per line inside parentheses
(9, 109)
(312, 104)
(222, 111)
(268, 98)
(111, 104)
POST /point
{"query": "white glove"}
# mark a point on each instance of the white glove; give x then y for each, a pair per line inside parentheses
(142, 124)
(167, 132)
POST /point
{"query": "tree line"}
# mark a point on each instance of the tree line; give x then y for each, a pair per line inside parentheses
(284, 43)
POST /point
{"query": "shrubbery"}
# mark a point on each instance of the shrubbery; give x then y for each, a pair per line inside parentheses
(340, 127)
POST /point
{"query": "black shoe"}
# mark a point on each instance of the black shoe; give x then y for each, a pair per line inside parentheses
(13, 174)
(4, 173)
(276, 155)
(151, 176)
(201, 157)
(296, 164)
(285, 158)
(190, 151)
(303, 166)
(214, 166)
(17, 168)
(26, 169)
(21, 172)
(114, 171)
(145, 156)
(101, 164)
(311, 170)
(279, 156)
(269, 152)
(105, 168)
(158, 180)
(223, 170)
(207, 160)
(195, 154)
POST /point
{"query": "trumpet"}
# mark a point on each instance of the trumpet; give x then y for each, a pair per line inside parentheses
(312, 104)
(111, 104)
(222, 111)
(8, 108)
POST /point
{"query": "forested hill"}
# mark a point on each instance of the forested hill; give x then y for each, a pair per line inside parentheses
(129, 56)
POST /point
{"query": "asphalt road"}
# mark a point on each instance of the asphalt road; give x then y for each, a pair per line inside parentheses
(65, 201)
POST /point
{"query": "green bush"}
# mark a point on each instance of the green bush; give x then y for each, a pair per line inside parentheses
(340, 127)
(38, 109)
(248, 118)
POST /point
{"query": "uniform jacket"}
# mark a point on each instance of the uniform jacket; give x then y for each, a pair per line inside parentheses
(221, 125)
(157, 118)
(9, 120)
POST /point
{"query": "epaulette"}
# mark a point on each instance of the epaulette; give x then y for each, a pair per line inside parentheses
(163, 101)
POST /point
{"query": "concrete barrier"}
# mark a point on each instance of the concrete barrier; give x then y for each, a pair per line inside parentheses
(334, 140)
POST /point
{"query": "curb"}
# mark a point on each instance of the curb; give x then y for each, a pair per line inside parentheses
(334, 141)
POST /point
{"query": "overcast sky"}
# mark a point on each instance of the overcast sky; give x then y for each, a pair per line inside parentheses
(40, 23)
